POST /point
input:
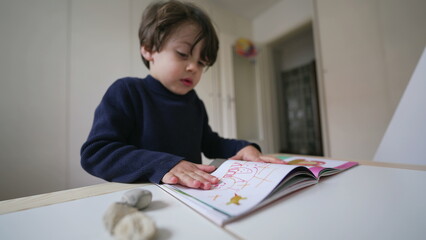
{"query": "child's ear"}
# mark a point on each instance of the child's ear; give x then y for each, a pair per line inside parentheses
(146, 54)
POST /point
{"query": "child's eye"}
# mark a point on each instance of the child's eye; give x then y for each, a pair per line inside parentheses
(202, 64)
(181, 54)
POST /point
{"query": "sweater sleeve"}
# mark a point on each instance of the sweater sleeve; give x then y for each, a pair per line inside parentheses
(214, 146)
(108, 153)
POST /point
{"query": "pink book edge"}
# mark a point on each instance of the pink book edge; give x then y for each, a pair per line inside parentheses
(317, 170)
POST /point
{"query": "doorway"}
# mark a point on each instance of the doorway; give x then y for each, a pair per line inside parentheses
(297, 93)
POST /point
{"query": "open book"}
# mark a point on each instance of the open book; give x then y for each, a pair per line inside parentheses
(245, 186)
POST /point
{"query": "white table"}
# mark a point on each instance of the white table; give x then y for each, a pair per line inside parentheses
(370, 201)
(365, 202)
(82, 219)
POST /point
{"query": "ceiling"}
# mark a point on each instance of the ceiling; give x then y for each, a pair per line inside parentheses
(245, 8)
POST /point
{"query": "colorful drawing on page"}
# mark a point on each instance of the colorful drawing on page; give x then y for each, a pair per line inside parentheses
(215, 197)
(312, 162)
(305, 162)
(235, 199)
(284, 157)
(242, 175)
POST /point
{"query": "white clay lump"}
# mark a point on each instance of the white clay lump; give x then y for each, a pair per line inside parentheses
(135, 226)
(124, 221)
(115, 213)
(138, 198)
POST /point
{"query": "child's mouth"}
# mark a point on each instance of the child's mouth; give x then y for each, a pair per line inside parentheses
(187, 82)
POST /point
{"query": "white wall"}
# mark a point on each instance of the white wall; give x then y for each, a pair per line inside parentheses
(33, 96)
(281, 19)
(103, 48)
(57, 58)
(295, 50)
(366, 51)
(369, 50)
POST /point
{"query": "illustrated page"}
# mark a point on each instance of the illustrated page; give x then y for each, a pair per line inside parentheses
(316, 165)
(242, 185)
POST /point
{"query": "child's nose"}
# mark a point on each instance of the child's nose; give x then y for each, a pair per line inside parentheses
(192, 66)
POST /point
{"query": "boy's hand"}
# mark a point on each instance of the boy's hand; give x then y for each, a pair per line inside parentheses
(250, 153)
(191, 175)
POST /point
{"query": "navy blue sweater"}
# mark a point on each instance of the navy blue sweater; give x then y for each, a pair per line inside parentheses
(141, 130)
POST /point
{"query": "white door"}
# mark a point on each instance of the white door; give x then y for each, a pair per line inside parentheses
(246, 108)
(235, 91)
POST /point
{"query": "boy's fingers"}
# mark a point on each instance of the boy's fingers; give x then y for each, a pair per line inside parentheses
(170, 178)
(205, 178)
(189, 181)
(208, 178)
(236, 157)
(261, 158)
(206, 168)
(271, 159)
(198, 179)
(195, 179)
(191, 175)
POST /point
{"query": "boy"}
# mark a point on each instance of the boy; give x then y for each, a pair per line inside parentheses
(155, 129)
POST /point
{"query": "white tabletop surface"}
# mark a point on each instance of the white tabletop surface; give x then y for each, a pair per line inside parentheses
(365, 202)
(82, 219)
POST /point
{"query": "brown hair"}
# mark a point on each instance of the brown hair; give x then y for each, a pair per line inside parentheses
(161, 18)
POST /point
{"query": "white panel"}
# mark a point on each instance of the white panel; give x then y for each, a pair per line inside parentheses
(33, 69)
(246, 98)
(100, 54)
(227, 86)
(405, 138)
(207, 91)
(268, 119)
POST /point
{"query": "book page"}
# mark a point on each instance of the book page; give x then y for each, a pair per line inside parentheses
(318, 166)
(242, 185)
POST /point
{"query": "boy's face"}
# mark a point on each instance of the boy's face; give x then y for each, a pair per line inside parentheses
(175, 66)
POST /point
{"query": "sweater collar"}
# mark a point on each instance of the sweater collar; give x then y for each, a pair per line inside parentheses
(156, 86)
